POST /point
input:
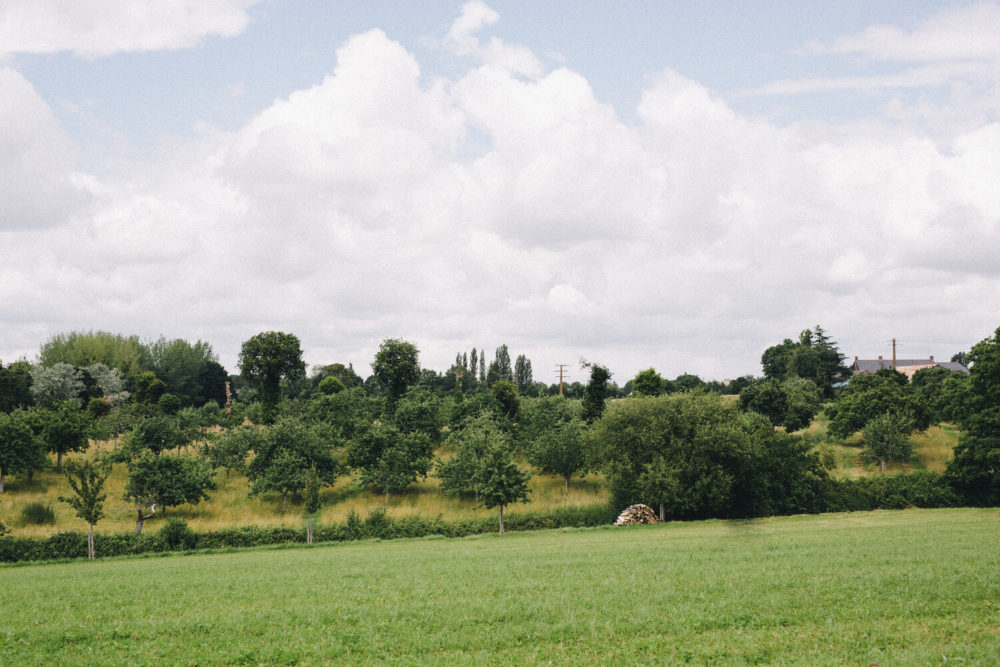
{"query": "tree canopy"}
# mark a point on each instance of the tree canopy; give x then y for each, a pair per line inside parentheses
(267, 359)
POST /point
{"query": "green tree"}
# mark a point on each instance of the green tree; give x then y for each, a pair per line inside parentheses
(869, 395)
(814, 356)
(15, 386)
(660, 482)
(885, 438)
(87, 482)
(505, 394)
(267, 359)
(388, 459)
(470, 442)
(559, 450)
(66, 428)
(396, 367)
(595, 393)
(419, 411)
(522, 375)
(180, 365)
(500, 368)
(766, 398)
(20, 448)
(499, 482)
(230, 451)
(148, 388)
(168, 480)
(81, 349)
(647, 383)
(156, 433)
(290, 448)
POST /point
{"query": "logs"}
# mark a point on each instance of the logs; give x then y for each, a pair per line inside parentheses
(635, 514)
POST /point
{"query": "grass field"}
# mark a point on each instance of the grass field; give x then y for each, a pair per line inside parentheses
(892, 588)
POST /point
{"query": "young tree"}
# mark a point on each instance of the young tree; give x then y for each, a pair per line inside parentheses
(595, 393)
(285, 473)
(87, 482)
(871, 394)
(388, 459)
(506, 397)
(559, 450)
(420, 411)
(59, 382)
(231, 450)
(500, 482)
(522, 374)
(156, 434)
(471, 441)
(168, 480)
(148, 388)
(885, 439)
(311, 501)
(288, 450)
(396, 367)
(20, 448)
(499, 368)
(267, 359)
(66, 428)
(15, 386)
(766, 398)
(660, 482)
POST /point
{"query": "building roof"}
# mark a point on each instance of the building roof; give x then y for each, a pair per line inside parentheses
(906, 366)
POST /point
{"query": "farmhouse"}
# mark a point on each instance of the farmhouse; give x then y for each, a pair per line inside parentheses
(905, 366)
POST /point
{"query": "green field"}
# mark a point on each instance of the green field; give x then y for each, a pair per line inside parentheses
(891, 587)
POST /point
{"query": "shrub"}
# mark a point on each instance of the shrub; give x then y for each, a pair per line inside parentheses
(176, 534)
(37, 514)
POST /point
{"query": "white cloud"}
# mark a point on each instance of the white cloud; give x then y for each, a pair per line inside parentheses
(462, 40)
(36, 170)
(96, 28)
(497, 207)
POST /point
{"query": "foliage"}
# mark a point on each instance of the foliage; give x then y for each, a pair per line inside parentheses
(347, 412)
(168, 480)
(155, 433)
(288, 450)
(230, 451)
(595, 393)
(647, 383)
(471, 443)
(388, 459)
(59, 382)
(523, 376)
(869, 395)
(396, 367)
(944, 393)
(169, 404)
(65, 428)
(311, 497)
(975, 469)
(268, 358)
(419, 411)
(499, 482)
(500, 368)
(15, 386)
(814, 356)
(766, 398)
(559, 449)
(127, 354)
(176, 534)
(725, 463)
(87, 482)
(190, 372)
(148, 388)
(885, 439)
(20, 449)
(505, 394)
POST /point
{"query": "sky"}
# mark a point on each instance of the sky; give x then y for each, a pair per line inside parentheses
(659, 184)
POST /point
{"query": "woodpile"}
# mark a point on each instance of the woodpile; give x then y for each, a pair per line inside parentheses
(636, 514)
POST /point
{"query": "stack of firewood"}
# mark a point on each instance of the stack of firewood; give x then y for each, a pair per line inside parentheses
(636, 514)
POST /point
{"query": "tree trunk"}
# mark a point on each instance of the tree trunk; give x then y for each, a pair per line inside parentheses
(501, 519)
(882, 463)
(140, 519)
(662, 515)
(309, 530)
(387, 496)
(284, 497)
(567, 483)
(1, 479)
(58, 461)
(90, 543)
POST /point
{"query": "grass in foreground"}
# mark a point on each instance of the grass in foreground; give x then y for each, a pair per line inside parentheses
(907, 587)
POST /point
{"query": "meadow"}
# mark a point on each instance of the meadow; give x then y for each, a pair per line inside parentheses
(888, 587)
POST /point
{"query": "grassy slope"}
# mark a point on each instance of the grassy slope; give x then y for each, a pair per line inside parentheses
(230, 506)
(909, 587)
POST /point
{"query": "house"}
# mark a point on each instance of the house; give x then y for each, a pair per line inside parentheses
(905, 366)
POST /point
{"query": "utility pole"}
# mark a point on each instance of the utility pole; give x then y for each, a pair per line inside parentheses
(893, 354)
(561, 369)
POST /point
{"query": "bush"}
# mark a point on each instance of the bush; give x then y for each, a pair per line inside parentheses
(176, 534)
(37, 514)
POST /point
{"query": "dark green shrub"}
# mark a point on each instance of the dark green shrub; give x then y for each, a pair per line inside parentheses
(37, 514)
(176, 534)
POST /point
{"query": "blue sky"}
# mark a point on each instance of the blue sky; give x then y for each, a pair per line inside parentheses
(665, 184)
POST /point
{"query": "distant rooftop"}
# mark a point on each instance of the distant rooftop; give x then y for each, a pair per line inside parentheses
(905, 366)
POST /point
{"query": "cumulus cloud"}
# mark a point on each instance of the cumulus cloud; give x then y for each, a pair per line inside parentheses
(510, 205)
(96, 28)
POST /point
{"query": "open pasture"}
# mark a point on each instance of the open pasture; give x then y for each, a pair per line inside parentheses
(900, 587)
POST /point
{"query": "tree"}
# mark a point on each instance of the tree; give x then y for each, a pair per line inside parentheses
(885, 439)
(125, 353)
(500, 368)
(389, 459)
(419, 411)
(804, 402)
(499, 482)
(766, 398)
(231, 450)
(559, 450)
(288, 449)
(66, 428)
(180, 365)
(168, 480)
(471, 441)
(595, 393)
(311, 501)
(945, 394)
(15, 386)
(506, 397)
(149, 388)
(87, 482)
(522, 374)
(59, 382)
(212, 378)
(871, 394)
(791, 403)
(975, 468)
(660, 482)
(396, 367)
(20, 448)
(814, 357)
(156, 434)
(267, 359)
(647, 383)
